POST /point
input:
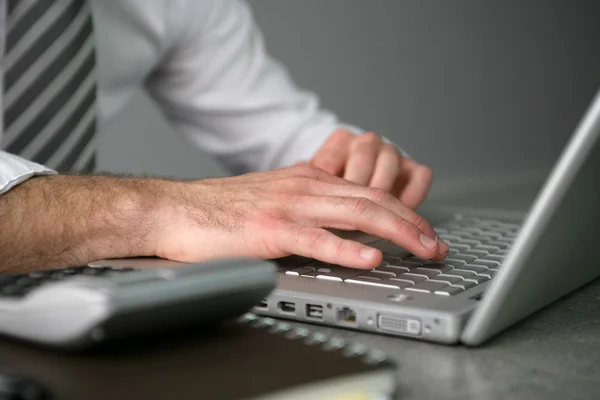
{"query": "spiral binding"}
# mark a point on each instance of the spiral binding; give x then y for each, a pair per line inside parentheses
(327, 343)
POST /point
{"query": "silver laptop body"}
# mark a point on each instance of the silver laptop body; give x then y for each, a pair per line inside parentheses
(502, 267)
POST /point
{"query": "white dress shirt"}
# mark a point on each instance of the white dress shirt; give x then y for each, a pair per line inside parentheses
(205, 64)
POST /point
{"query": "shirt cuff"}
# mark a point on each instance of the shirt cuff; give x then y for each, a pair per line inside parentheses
(15, 170)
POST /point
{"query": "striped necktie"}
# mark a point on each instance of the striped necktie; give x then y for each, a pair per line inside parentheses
(49, 83)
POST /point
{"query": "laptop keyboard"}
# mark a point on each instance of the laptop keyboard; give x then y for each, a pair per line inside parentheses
(477, 249)
(18, 285)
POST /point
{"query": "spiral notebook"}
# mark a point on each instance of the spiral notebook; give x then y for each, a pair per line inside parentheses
(253, 358)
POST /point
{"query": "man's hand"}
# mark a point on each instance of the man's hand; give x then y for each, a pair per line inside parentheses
(367, 160)
(288, 211)
(72, 220)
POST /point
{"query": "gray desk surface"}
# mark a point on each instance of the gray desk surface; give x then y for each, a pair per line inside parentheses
(553, 354)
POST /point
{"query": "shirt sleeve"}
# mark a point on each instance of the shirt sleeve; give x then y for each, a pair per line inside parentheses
(15, 170)
(221, 89)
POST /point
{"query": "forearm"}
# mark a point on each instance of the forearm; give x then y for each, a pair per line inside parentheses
(53, 221)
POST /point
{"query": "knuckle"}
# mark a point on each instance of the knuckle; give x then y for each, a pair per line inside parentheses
(315, 239)
(341, 134)
(427, 172)
(328, 163)
(389, 148)
(417, 220)
(269, 219)
(402, 225)
(359, 205)
(306, 169)
(391, 152)
(370, 137)
(299, 183)
(378, 195)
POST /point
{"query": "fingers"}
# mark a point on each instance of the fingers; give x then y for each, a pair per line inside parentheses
(387, 168)
(362, 157)
(325, 246)
(359, 213)
(418, 184)
(378, 196)
(332, 156)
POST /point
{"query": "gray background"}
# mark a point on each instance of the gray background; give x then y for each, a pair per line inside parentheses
(486, 93)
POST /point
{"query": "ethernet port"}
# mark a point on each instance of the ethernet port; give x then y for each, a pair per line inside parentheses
(346, 316)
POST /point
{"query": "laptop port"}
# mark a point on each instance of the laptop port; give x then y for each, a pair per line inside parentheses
(263, 305)
(346, 316)
(287, 307)
(314, 311)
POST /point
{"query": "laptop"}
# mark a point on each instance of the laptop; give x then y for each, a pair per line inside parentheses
(501, 267)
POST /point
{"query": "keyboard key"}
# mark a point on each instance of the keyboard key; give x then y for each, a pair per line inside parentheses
(449, 291)
(464, 257)
(478, 279)
(372, 276)
(427, 273)
(93, 271)
(438, 266)
(460, 273)
(427, 287)
(475, 253)
(390, 249)
(493, 257)
(360, 281)
(500, 244)
(488, 248)
(399, 269)
(472, 229)
(392, 260)
(488, 235)
(474, 268)
(464, 285)
(392, 271)
(300, 271)
(402, 283)
(485, 263)
(448, 279)
(460, 247)
(471, 243)
(462, 234)
(329, 278)
(452, 252)
(412, 263)
(450, 238)
(454, 263)
(414, 279)
(489, 274)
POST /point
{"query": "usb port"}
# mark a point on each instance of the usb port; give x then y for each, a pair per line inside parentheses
(263, 305)
(346, 316)
(314, 311)
(287, 307)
